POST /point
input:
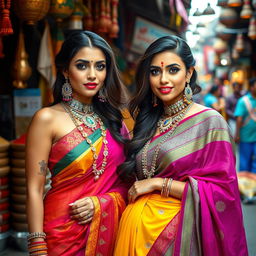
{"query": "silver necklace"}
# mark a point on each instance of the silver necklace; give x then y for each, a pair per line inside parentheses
(150, 173)
(176, 107)
(80, 128)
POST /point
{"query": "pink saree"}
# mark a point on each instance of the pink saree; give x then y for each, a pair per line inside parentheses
(70, 163)
(200, 151)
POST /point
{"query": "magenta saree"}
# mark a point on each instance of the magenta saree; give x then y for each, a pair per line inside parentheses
(200, 151)
(70, 164)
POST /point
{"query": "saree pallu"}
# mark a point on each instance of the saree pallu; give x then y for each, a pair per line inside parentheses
(208, 220)
(70, 163)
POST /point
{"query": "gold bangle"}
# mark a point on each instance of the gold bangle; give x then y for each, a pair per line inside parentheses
(164, 186)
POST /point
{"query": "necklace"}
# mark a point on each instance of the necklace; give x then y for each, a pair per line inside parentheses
(80, 128)
(172, 114)
(84, 113)
(176, 107)
(174, 123)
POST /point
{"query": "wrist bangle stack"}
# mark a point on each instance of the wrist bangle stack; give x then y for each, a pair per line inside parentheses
(166, 187)
(37, 248)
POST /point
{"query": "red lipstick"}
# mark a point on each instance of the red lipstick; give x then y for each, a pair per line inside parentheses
(90, 86)
(165, 89)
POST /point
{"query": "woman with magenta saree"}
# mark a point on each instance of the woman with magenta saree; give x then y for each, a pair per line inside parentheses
(80, 138)
(185, 200)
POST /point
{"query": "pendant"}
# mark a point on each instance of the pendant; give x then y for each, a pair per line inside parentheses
(89, 121)
(96, 177)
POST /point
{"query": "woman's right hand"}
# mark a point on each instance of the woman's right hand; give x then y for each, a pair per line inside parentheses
(82, 210)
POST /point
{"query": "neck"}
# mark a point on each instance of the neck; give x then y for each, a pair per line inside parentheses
(176, 107)
(79, 106)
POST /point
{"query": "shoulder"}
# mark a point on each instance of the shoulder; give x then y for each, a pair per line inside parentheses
(47, 115)
(209, 115)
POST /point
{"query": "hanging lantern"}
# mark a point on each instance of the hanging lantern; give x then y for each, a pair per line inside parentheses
(220, 32)
(252, 28)
(235, 54)
(246, 12)
(61, 9)
(228, 17)
(219, 46)
(21, 69)
(234, 3)
(113, 33)
(76, 19)
(222, 3)
(31, 11)
(88, 20)
(239, 44)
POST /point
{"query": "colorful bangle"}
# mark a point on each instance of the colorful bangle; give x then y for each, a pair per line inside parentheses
(36, 235)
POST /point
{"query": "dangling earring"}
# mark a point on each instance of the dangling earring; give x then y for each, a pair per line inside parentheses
(188, 92)
(154, 101)
(66, 91)
(102, 96)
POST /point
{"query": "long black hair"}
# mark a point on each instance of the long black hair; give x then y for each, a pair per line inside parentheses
(141, 108)
(114, 90)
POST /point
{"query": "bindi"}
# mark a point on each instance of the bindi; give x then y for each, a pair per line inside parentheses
(162, 64)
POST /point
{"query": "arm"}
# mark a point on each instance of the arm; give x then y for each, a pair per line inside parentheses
(239, 123)
(38, 145)
(148, 185)
(219, 105)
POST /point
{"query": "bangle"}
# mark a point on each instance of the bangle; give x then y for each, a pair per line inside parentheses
(169, 187)
(36, 235)
(164, 185)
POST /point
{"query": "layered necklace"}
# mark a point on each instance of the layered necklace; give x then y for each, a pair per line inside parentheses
(84, 113)
(178, 111)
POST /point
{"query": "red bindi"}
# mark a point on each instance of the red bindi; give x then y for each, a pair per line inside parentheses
(162, 64)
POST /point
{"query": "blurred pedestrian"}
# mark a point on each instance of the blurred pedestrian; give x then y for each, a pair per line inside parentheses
(213, 99)
(245, 114)
(231, 102)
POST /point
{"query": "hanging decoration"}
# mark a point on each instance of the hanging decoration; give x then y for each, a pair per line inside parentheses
(219, 46)
(5, 22)
(113, 33)
(222, 3)
(60, 10)
(21, 68)
(246, 12)
(31, 11)
(76, 19)
(239, 44)
(102, 18)
(252, 28)
(88, 19)
(228, 17)
(234, 3)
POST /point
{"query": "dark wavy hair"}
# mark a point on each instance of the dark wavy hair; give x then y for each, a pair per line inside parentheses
(141, 108)
(114, 90)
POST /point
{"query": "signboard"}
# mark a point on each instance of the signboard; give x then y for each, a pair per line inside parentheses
(145, 32)
(26, 103)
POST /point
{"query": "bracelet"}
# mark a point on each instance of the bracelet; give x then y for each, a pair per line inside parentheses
(36, 235)
(169, 187)
(164, 185)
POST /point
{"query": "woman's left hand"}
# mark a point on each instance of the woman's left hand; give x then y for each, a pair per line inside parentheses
(82, 210)
(142, 187)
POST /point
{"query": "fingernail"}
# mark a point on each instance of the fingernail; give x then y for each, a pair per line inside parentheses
(71, 204)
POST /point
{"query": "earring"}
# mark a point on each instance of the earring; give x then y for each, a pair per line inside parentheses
(66, 91)
(102, 96)
(188, 92)
(154, 101)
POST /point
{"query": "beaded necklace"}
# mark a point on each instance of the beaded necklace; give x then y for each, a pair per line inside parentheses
(174, 122)
(80, 128)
